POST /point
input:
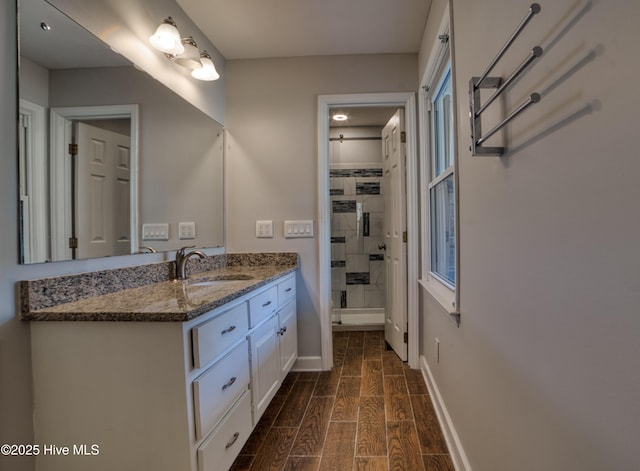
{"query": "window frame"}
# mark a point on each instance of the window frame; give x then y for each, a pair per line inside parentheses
(440, 64)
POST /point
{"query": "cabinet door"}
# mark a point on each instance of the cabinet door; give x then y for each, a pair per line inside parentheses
(265, 366)
(288, 334)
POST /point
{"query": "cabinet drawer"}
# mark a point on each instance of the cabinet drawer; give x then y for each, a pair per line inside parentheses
(263, 305)
(286, 291)
(219, 387)
(215, 336)
(220, 450)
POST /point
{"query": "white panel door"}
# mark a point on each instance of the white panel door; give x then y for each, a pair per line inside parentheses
(393, 157)
(102, 192)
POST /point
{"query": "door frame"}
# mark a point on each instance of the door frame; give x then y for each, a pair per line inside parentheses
(406, 100)
(60, 135)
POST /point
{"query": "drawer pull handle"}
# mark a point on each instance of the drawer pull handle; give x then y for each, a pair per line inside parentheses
(233, 440)
(287, 290)
(231, 328)
(229, 383)
(266, 304)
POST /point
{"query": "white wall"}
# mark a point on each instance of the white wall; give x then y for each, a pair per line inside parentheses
(543, 371)
(271, 154)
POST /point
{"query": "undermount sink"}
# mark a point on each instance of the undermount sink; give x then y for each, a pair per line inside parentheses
(218, 280)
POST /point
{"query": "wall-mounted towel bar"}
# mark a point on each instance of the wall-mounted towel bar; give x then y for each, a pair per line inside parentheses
(484, 81)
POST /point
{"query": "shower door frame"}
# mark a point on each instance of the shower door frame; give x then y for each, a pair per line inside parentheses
(325, 104)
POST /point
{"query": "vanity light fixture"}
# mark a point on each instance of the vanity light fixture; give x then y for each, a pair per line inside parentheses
(208, 70)
(339, 117)
(183, 51)
(190, 58)
(167, 38)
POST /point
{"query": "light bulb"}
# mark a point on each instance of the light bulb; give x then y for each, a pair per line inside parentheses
(167, 38)
(208, 70)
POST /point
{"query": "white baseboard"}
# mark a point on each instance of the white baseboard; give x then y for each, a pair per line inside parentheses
(458, 456)
(308, 364)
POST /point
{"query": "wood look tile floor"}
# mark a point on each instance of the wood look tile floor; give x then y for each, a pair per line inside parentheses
(370, 413)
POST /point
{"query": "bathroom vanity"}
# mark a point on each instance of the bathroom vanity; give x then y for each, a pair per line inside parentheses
(171, 375)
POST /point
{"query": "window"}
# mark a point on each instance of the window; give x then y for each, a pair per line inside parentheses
(439, 179)
(442, 228)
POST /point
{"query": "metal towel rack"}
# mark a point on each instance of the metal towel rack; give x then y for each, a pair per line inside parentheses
(484, 81)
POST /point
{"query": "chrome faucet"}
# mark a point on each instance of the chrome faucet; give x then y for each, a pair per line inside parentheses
(182, 256)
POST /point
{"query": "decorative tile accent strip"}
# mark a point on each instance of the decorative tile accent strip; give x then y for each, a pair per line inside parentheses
(367, 188)
(358, 278)
(376, 257)
(344, 206)
(365, 224)
(343, 299)
(336, 192)
(338, 240)
(355, 172)
(338, 263)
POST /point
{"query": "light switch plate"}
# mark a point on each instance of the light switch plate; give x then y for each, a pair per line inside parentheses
(186, 230)
(155, 232)
(298, 229)
(264, 229)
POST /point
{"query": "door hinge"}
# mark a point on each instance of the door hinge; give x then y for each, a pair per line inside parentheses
(73, 149)
(406, 337)
(73, 242)
(404, 237)
(403, 136)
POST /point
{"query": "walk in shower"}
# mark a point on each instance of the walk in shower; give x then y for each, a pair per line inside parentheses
(357, 217)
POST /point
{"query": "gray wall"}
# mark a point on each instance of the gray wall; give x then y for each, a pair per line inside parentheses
(271, 155)
(543, 371)
(181, 165)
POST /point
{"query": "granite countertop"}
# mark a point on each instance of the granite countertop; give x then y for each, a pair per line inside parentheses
(166, 301)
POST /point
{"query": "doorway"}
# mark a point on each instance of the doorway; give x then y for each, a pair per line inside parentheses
(358, 281)
(63, 175)
(326, 105)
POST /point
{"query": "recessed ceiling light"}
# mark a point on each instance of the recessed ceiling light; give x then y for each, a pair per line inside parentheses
(340, 117)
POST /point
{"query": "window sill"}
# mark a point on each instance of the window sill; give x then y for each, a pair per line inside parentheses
(443, 295)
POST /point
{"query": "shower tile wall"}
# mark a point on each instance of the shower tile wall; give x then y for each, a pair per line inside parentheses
(357, 210)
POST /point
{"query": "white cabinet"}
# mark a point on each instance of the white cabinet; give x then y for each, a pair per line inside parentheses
(219, 451)
(162, 395)
(288, 338)
(274, 345)
(265, 365)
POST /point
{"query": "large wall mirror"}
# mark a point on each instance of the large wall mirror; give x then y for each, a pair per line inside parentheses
(111, 161)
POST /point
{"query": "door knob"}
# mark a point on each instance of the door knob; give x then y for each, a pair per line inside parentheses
(382, 246)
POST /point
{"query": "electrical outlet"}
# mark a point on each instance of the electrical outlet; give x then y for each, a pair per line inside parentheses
(437, 350)
(264, 229)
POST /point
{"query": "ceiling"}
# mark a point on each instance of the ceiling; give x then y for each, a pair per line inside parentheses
(251, 29)
(66, 45)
